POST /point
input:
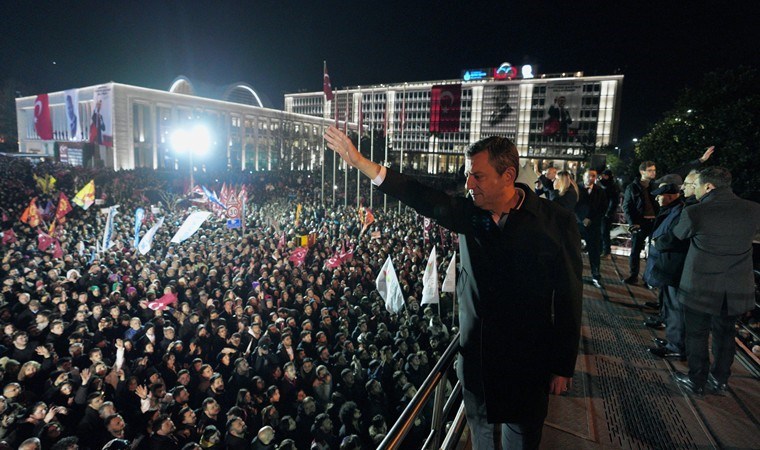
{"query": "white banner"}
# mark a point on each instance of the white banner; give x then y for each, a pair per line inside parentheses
(450, 281)
(101, 123)
(74, 128)
(146, 243)
(430, 281)
(107, 243)
(390, 290)
(191, 225)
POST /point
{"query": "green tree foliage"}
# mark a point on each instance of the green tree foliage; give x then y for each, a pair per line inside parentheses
(724, 111)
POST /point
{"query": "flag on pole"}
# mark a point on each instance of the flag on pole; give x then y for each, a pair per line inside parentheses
(146, 243)
(388, 287)
(57, 250)
(9, 237)
(430, 281)
(139, 215)
(298, 214)
(31, 215)
(46, 184)
(42, 123)
(299, 255)
(190, 226)
(450, 281)
(164, 301)
(326, 86)
(64, 206)
(106, 243)
(366, 218)
(86, 196)
(44, 241)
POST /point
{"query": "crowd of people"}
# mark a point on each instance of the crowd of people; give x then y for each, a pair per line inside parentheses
(257, 351)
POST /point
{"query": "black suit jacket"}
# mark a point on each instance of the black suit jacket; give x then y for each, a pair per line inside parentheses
(519, 292)
(591, 206)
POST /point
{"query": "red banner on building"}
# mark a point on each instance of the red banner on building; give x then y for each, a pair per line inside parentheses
(42, 124)
(445, 107)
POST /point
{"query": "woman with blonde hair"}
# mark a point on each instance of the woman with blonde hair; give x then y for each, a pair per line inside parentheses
(565, 190)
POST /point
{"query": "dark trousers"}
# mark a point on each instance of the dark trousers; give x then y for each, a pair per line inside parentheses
(699, 325)
(638, 238)
(672, 312)
(606, 230)
(592, 234)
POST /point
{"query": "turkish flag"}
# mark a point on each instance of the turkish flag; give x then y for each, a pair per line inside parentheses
(42, 124)
(326, 86)
(445, 108)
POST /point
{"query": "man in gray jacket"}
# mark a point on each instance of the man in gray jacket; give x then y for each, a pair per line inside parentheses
(717, 284)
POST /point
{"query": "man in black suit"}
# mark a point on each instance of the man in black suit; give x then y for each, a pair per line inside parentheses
(717, 283)
(640, 211)
(520, 287)
(592, 203)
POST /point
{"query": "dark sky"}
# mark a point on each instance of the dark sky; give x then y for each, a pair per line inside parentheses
(279, 46)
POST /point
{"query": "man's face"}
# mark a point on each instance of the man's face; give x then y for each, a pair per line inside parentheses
(666, 199)
(649, 174)
(701, 188)
(551, 173)
(484, 184)
(589, 178)
(689, 184)
(116, 426)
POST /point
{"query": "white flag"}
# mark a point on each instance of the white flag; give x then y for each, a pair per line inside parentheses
(146, 243)
(430, 281)
(450, 282)
(191, 225)
(390, 290)
(108, 232)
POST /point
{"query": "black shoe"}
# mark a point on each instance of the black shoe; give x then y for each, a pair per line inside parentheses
(684, 381)
(653, 305)
(655, 324)
(664, 352)
(631, 280)
(660, 342)
(715, 385)
(596, 282)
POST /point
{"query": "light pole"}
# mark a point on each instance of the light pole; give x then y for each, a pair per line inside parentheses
(195, 140)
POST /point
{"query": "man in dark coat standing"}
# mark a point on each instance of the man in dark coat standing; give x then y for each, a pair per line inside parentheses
(590, 211)
(612, 192)
(717, 283)
(640, 211)
(520, 287)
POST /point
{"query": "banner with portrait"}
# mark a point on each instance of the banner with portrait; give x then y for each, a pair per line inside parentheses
(101, 121)
(563, 108)
(500, 110)
(73, 124)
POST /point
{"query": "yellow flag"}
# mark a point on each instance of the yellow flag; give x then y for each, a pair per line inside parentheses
(86, 196)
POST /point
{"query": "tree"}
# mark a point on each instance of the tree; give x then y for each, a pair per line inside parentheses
(724, 111)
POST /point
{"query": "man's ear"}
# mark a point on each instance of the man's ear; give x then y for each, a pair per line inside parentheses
(510, 173)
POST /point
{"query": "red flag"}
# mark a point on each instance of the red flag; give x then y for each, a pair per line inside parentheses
(9, 237)
(42, 124)
(31, 216)
(44, 241)
(57, 250)
(445, 107)
(326, 86)
(162, 303)
(299, 255)
(64, 206)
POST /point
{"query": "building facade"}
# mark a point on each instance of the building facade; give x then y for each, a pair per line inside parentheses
(426, 126)
(123, 127)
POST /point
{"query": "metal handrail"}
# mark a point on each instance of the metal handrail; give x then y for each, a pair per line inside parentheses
(435, 385)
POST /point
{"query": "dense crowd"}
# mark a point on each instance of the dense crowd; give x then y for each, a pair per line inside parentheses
(257, 351)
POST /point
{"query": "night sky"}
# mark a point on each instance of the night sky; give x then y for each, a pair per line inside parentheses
(278, 46)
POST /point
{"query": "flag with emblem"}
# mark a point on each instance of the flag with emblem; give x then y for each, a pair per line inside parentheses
(389, 288)
(86, 196)
(31, 215)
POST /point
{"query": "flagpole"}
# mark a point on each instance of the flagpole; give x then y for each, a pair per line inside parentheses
(359, 139)
(324, 108)
(333, 186)
(345, 165)
(401, 122)
(372, 142)
(385, 116)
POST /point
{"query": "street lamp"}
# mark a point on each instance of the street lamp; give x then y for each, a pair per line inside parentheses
(196, 140)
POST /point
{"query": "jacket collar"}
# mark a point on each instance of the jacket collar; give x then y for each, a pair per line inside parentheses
(530, 201)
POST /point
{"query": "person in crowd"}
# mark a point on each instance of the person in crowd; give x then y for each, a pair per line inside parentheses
(545, 182)
(504, 228)
(664, 267)
(590, 212)
(612, 192)
(717, 284)
(640, 209)
(565, 191)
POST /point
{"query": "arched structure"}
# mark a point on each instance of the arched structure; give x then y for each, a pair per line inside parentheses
(181, 85)
(242, 93)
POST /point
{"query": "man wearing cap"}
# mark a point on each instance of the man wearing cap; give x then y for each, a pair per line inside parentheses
(717, 284)
(664, 266)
